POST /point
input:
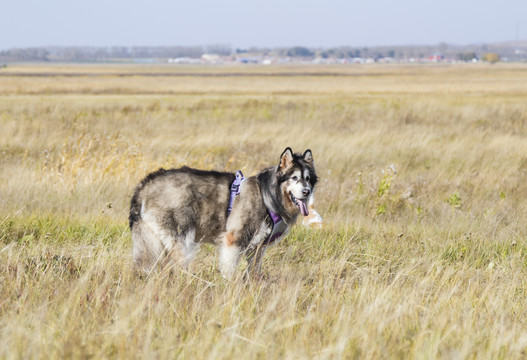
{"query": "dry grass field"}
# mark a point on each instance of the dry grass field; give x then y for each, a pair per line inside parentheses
(422, 187)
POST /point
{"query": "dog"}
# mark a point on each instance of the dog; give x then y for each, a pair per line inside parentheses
(313, 219)
(173, 211)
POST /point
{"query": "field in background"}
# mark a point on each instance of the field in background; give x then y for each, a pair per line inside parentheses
(422, 186)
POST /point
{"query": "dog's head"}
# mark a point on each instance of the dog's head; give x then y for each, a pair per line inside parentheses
(296, 179)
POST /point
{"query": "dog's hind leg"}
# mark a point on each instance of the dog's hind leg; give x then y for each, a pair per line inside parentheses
(230, 253)
(147, 249)
(158, 245)
(180, 248)
(190, 248)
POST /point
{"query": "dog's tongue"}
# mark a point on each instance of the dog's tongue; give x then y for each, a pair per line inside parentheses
(303, 207)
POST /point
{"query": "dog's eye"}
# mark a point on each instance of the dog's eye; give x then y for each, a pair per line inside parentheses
(295, 178)
(307, 178)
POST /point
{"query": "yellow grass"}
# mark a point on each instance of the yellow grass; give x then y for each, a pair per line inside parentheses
(422, 186)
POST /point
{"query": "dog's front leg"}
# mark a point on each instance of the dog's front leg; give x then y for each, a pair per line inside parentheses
(254, 261)
(229, 255)
(255, 251)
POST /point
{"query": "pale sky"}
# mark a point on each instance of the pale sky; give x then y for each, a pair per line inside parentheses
(327, 23)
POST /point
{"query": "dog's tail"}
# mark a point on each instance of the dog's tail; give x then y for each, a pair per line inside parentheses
(135, 210)
(135, 204)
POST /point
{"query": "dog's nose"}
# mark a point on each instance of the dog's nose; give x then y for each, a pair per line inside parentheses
(306, 192)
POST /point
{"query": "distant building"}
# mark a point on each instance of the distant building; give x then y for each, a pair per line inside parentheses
(435, 58)
(211, 58)
(248, 60)
(184, 60)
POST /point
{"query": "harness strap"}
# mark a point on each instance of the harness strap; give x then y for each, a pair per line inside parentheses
(235, 189)
(279, 225)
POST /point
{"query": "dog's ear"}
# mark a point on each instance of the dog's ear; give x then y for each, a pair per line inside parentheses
(286, 159)
(308, 157)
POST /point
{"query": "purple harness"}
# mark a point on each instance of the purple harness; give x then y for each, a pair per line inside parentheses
(279, 226)
(235, 189)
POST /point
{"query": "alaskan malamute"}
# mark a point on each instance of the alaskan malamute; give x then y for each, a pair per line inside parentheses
(173, 211)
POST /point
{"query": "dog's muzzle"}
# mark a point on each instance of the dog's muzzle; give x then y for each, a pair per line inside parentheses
(300, 203)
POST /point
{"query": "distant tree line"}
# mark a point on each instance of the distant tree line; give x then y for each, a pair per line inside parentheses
(86, 54)
(397, 53)
(28, 54)
(467, 56)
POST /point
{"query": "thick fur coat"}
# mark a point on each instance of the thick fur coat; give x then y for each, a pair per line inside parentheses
(173, 211)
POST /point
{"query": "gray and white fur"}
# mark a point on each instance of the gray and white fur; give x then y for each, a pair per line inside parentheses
(173, 211)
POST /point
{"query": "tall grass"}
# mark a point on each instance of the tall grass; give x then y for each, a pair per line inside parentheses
(422, 186)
